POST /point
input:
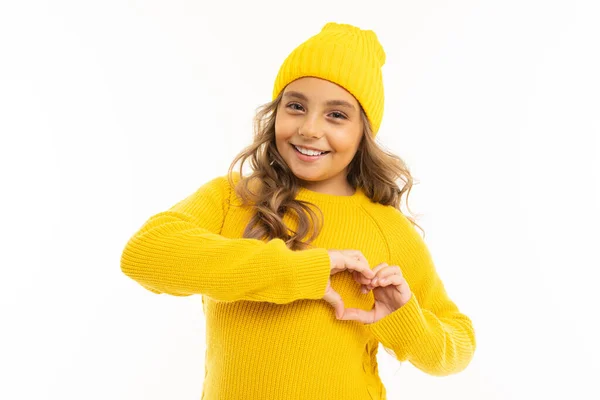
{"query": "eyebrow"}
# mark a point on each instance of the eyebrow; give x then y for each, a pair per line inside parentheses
(301, 96)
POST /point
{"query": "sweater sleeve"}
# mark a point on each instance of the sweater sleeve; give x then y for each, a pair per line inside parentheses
(429, 331)
(181, 252)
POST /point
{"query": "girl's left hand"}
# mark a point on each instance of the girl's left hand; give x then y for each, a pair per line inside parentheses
(390, 289)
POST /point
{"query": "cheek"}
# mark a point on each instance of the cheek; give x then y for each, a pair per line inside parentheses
(283, 128)
(344, 142)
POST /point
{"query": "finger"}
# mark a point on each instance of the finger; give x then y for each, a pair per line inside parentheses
(396, 280)
(358, 254)
(360, 266)
(336, 301)
(379, 267)
(355, 254)
(388, 271)
(401, 285)
(384, 273)
(358, 314)
(376, 271)
(360, 278)
(362, 257)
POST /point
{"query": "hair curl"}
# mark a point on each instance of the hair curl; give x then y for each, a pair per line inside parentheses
(372, 168)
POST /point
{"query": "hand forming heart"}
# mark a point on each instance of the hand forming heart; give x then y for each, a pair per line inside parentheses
(345, 260)
(390, 289)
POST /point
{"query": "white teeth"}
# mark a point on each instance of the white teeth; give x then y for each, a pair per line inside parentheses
(309, 152)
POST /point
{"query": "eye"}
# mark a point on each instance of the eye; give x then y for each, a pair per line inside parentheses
(342, 116)
(336, 114)
(294, 104)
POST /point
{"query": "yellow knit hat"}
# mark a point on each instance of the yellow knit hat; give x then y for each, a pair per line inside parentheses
(345, 55)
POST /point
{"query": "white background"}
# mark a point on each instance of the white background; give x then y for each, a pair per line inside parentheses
(113, 111)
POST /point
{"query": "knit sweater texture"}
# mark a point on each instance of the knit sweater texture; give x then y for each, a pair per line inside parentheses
(269, 333)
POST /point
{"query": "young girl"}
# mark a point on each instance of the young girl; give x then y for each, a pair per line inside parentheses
(307, 264)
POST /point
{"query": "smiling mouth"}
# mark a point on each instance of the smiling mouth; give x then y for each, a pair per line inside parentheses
(310, 155)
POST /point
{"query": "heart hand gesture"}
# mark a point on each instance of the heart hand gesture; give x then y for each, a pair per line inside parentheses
(342, 260)
(390, 290)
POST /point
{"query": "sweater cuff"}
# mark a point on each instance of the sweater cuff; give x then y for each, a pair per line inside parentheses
(401, 327)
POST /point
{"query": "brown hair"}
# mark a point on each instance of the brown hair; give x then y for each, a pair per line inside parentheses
(372, 168)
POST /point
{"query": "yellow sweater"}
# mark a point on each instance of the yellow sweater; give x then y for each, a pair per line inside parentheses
(269, 333)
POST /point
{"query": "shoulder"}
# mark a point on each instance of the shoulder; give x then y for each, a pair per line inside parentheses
(390, 216)
(226, 184)
(407, 247)
(214, 192)
(399, 230)
(218, 187)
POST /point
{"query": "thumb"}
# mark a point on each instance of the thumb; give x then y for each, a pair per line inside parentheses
(334, 298)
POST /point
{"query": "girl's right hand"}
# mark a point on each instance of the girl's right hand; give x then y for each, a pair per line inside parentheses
(342, 260)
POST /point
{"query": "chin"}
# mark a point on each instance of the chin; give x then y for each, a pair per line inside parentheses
(307, 177)
(303, 177)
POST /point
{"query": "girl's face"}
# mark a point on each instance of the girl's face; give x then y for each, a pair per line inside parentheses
(317, 114)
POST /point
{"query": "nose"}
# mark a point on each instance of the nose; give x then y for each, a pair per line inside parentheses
(309, 129)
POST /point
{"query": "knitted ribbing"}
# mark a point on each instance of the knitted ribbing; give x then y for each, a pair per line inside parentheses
(269, 334)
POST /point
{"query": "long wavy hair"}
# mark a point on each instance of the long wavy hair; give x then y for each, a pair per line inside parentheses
(373, 169)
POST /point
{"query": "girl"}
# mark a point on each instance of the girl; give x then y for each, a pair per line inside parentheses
(283, 257)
